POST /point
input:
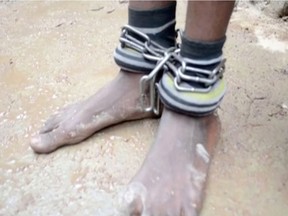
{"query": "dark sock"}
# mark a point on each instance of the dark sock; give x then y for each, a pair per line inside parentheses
(201, 50)
(208, 54)
(159, 24)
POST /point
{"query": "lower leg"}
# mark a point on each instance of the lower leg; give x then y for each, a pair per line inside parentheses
(208, 20)
(174, 172)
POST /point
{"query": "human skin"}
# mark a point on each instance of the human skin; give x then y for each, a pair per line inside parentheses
(174, 173)
(117, 102)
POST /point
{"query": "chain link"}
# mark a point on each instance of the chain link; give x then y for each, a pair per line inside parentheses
(166, 60)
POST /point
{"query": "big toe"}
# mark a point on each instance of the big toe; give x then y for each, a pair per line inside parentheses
(47, 142)
(133, 199)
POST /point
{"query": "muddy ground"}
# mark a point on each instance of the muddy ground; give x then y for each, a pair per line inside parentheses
(56, 53)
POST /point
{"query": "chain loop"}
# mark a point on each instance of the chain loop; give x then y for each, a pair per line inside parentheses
(167, 60)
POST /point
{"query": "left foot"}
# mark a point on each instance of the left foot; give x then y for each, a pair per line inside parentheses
(172, 178)
(117, 102)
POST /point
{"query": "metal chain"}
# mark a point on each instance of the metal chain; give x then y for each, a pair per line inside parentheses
(166, 60)
(151, 51)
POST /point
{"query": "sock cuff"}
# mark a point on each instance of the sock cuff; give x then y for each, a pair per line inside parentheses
(200, 50)
(158, 24)
(152, 18)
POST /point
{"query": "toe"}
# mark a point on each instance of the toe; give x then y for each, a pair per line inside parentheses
(54, 120)
(136, 207)
(48, 142)
(51, 124)
(132, 201)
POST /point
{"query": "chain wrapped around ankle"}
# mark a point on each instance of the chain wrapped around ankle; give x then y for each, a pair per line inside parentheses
(182, 86)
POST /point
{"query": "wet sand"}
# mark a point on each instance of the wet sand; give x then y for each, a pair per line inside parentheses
(56, 53)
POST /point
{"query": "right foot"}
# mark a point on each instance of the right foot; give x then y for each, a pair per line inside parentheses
(173, 176)
(117, 102)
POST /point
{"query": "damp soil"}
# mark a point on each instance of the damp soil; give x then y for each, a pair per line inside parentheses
(56, 53)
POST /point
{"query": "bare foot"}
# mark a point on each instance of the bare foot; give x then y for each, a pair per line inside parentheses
(117, 102)
(173, 175)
